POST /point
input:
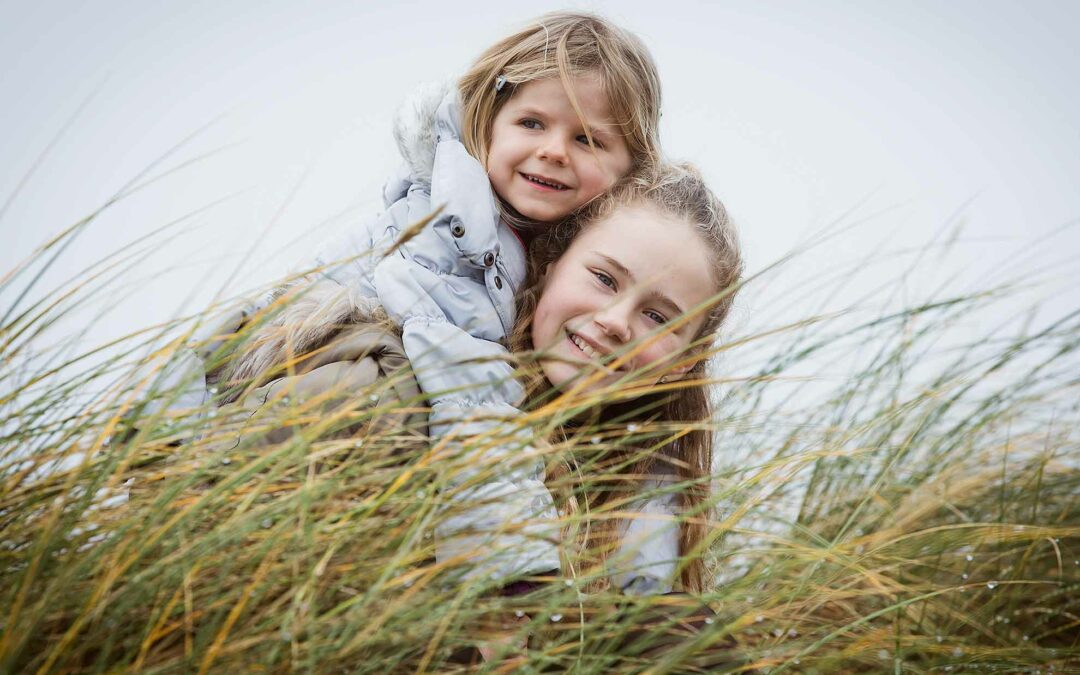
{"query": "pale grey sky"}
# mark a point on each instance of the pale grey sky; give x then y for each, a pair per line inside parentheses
(887, 114)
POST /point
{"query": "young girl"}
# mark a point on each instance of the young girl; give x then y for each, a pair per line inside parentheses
(626, 297)
(544, 122)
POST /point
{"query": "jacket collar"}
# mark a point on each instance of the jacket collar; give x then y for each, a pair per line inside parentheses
(427, 129)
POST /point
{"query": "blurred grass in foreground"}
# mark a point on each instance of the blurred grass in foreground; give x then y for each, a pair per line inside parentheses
(917, 512)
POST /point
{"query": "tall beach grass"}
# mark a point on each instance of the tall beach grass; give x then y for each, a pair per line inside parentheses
(895, 490)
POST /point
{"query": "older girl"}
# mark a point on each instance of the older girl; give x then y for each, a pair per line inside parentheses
(626, 298)
(623, 303)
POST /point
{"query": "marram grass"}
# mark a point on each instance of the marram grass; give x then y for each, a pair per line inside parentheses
(917, 514)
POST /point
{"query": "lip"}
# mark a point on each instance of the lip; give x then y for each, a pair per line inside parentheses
(599, 349)
(531, 179)
(604, 353)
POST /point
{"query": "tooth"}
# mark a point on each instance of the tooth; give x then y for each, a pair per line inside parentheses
(541, 181)
(582, 346)
(585, 347)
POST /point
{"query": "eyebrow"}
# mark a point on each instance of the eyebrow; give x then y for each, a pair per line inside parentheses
(621, 269)
(529, 110)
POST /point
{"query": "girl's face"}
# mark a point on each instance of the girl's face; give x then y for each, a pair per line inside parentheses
(622, 279)
(539, 158)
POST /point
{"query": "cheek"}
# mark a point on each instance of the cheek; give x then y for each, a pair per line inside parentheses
(541, 326)
(494, 157)
(668, 347)
(501, 148)
(594, 178)
(598, 177)
(553, 310)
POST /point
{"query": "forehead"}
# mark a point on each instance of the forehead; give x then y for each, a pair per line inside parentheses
(549, 92)
(664, 253)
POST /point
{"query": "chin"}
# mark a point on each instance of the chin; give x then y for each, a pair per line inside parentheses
(541, 213)
(564, 377)
(557, 375)
(561, 375)
(540, 216)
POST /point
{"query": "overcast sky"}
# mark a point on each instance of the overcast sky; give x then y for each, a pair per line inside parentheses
(892, 116)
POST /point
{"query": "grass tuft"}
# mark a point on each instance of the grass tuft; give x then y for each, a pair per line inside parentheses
(890, 495)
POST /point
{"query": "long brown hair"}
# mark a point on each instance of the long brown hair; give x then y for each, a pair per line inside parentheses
(565, 45)
(682, 408)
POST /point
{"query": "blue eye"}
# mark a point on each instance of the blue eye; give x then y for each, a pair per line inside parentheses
(584, 140)
(529, 123)
(656, 316)
(604, 279)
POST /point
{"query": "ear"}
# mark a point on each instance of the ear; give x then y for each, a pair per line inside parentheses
(676, 374)
(686, 364)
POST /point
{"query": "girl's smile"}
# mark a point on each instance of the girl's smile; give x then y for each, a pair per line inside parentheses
(609, 295)
(540, 160)
(590, 350)
(542, 183)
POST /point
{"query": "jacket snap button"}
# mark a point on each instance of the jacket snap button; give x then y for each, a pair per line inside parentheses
(489, 259)
(498, 283)
(457, 229)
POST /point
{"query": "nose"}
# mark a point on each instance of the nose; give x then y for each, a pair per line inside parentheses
(614, 320)
(552, 149)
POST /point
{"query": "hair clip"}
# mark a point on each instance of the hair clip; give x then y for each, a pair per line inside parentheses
(500, 82)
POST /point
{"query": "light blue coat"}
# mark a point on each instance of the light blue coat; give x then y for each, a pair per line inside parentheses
(451, 289)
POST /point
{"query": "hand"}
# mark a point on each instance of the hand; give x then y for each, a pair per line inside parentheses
(508, 633)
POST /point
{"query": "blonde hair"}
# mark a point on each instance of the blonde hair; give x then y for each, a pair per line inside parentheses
(681, 192)
(565, 45)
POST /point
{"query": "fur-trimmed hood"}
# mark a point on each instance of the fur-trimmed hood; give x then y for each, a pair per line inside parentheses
(415, 129)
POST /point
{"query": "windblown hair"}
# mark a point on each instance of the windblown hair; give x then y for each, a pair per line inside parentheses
(680, 192)
(566, 45)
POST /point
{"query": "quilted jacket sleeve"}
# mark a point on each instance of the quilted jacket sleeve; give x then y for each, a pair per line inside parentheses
(648, 554)
(500, 519)
(450, 286)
